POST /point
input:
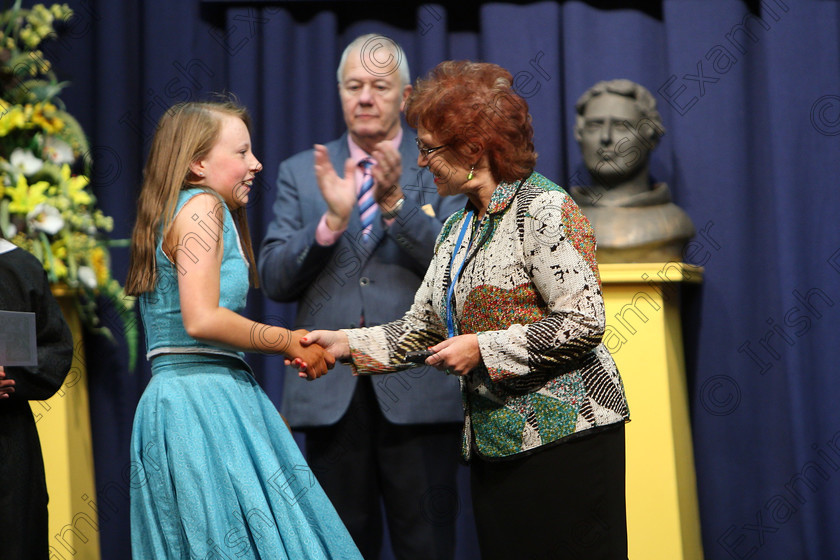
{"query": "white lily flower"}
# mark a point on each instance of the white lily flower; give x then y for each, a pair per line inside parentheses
(24, 161)
(45, 218)
(58, 151)
(87, 276)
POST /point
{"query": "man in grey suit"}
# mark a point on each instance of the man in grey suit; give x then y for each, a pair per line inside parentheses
(349, 261)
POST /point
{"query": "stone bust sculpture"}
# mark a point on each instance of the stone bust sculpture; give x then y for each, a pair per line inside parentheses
(617, 127)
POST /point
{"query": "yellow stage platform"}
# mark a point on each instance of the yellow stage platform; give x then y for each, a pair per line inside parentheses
(63, 424)
(644, 335)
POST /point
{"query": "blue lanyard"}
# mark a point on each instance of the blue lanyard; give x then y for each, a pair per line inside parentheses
(450, 322)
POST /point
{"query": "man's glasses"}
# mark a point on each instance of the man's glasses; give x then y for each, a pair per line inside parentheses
(427, 152)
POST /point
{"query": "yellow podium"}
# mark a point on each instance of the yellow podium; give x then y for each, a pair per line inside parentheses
(63, 423)
(644, 335)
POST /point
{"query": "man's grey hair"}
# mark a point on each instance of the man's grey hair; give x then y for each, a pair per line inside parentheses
(638, 93)
(368, 47)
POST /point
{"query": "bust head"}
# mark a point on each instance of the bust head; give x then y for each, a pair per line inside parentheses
(617, 126)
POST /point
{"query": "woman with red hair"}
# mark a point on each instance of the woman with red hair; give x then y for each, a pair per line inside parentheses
(511, 304)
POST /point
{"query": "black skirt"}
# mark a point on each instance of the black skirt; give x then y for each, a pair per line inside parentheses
(563, 502)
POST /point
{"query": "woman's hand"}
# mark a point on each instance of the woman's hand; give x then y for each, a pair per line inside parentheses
(312, 360)
(457, 355)
(334, 342)
(7, 386)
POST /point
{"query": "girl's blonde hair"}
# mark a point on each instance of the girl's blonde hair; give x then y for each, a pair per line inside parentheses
(186, 133)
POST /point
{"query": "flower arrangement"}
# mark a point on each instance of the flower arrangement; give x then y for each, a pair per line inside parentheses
(46, 205)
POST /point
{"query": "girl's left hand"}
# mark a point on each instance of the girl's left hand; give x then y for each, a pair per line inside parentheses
(457, 355)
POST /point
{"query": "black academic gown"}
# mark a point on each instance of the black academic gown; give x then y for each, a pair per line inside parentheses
(23, 491)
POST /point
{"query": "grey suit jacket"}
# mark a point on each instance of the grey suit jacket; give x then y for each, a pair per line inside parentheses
(334, 286)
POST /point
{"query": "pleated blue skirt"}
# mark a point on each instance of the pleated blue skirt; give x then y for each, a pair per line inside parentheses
(215, 472)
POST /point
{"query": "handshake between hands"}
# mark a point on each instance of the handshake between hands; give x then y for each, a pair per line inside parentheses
(315, 352)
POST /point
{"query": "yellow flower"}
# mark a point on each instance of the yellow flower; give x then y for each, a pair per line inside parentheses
(99, 263)
(43, 114)
(59, 249)
(75, 186)
(28, 37)
(59, 268)
(43, 30)
(41, 14)
(62, 11)
(26, 197)
(11, 117)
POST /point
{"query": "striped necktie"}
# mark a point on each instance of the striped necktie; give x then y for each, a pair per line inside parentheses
(368, 209)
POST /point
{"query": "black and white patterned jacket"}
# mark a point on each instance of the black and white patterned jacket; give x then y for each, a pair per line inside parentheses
(531, 291)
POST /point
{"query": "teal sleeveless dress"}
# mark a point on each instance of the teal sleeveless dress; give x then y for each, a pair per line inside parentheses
(215, 472)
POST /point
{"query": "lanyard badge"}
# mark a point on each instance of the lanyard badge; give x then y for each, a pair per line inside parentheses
(450, 292)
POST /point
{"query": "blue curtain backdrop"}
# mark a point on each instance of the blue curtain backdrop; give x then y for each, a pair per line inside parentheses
(750, 96)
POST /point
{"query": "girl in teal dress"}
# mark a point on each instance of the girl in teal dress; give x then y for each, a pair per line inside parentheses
(215, 472)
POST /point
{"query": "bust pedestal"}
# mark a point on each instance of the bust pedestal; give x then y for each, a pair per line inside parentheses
(63, 423)
(644, 335)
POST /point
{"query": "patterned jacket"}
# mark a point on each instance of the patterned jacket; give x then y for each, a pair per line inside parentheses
(530, 289)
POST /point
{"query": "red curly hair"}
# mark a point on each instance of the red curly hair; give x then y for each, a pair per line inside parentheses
(472, 108)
